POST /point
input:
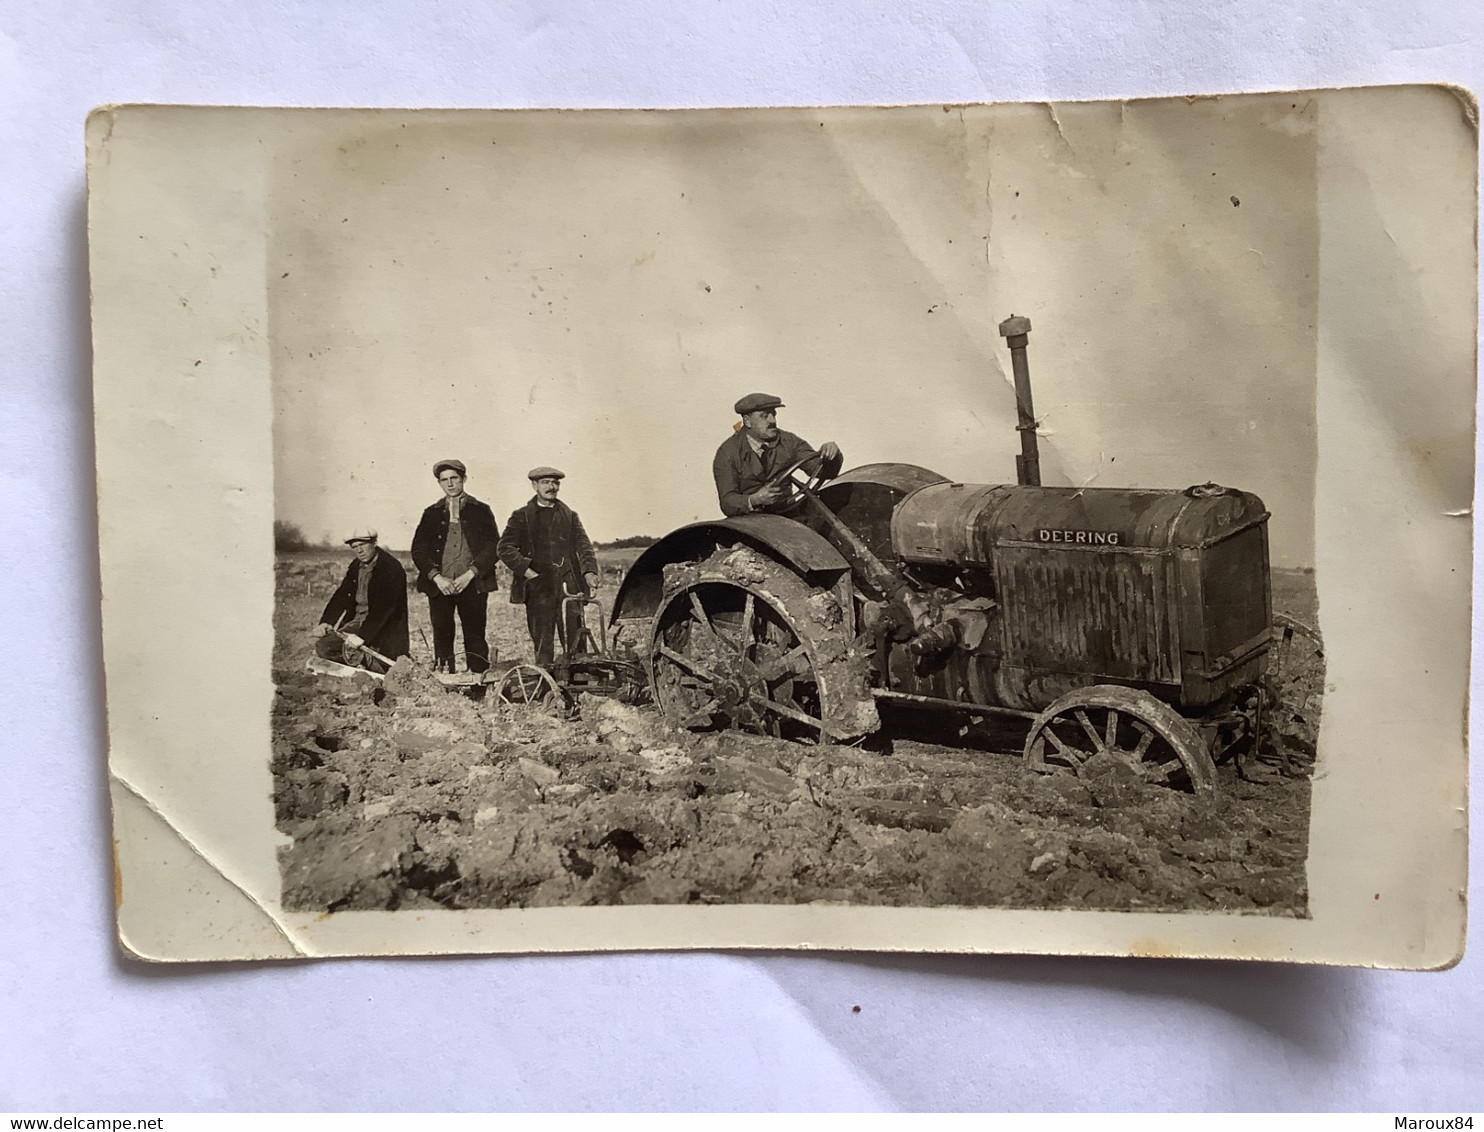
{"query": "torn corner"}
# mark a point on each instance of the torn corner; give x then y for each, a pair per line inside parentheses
(100, 123)
(129, 941)
(1468, 103)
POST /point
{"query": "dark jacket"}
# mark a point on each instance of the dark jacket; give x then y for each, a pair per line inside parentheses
(385, 627)
(480, 532)
(739, 471)
(570, 545)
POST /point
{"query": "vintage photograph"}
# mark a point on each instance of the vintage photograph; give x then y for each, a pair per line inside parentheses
(870, 507)
(1033, 528)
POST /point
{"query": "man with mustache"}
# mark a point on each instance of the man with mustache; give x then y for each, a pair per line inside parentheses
(550, 556)
(757, 452)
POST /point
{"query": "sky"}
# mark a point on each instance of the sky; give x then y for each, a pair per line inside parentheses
(594, 289)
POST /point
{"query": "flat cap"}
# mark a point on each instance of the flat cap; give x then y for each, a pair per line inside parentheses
(756, 403)
(456, 465)
(361, 534)
(545, 473)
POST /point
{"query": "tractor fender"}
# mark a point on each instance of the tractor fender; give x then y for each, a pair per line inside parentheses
(804, 551)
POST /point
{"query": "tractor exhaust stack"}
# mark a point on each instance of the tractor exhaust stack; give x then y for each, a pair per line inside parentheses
(1016, 330)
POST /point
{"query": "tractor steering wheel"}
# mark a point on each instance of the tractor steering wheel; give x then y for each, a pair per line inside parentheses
(797, 481)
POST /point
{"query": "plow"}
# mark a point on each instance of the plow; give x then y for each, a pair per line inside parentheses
(585, 665)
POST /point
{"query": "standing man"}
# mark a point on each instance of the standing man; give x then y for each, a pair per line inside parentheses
(757, 452)
(547, 550)
(455, 550)
(369, 609)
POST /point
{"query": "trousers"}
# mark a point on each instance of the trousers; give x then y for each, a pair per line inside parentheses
(473, 612)
(333, 648)
(543, 611)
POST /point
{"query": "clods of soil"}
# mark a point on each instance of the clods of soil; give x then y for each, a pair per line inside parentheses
(400, 794)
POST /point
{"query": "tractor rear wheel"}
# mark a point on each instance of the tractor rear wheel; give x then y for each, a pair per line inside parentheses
(741, 642)
(1126, 724)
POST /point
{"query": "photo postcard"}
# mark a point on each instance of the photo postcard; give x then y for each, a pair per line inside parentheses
(988, 528)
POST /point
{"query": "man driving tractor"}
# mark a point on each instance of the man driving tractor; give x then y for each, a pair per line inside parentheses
(756, 454)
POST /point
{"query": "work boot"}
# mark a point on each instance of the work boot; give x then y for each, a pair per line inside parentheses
(478, 660)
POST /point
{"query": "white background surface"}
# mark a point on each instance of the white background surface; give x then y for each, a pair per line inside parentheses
(83, 1030)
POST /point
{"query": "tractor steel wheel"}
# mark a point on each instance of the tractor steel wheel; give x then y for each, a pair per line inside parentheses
(741, 643)
(1125, 724)
(1295, 686)
(530, 685)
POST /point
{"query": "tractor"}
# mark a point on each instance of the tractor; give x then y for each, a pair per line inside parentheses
(1122, 623)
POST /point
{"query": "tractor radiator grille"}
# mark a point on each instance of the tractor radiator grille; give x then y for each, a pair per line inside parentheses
(1100, 613)
(1236, 594)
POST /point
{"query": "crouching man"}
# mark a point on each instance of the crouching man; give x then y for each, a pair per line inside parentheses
(369, 608)
(549, 555)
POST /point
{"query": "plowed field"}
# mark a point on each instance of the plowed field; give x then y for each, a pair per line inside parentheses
(404, 795)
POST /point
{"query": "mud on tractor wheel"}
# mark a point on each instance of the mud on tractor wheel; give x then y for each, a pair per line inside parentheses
(1125, 724)
(740, 641)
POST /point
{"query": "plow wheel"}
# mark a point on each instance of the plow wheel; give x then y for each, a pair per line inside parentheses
(530, 685)
(1294, 687)
(735, 648)
(1127, 724)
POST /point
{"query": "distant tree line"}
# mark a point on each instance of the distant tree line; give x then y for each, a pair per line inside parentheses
(289, 536)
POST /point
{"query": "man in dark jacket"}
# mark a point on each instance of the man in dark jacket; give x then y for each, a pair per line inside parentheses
(455, 550)
(369, 609)
(548, 552)
(758, 451)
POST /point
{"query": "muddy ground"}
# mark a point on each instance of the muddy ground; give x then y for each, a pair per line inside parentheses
(404, 795)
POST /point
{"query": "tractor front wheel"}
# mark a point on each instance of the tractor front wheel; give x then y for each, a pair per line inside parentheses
(1295, 689)
(1125, 724)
